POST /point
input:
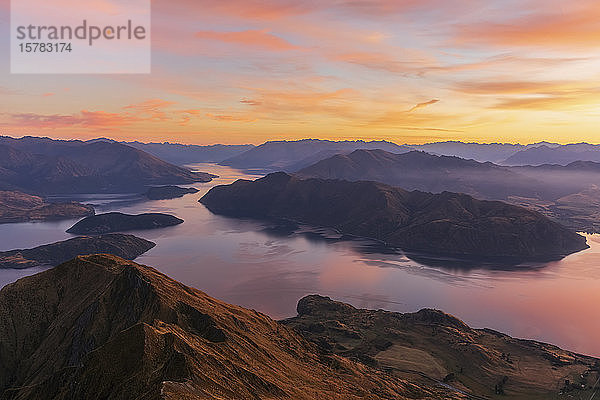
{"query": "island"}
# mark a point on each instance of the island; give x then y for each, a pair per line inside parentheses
(17, 206)
(168, 192)
(124, 246)
(119, 222)
(448, 224)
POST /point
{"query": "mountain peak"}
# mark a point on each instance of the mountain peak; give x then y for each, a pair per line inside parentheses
(95, 322)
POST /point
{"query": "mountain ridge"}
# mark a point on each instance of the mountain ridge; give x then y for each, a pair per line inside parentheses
(292, 155)
(46, 166)
(98, 326)
(447, 224)
(136, 333)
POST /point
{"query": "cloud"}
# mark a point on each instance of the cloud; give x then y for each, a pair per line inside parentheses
(83, 118)
(386, 62)
(534, 95)
(152, 108)
(7, 91)
(262, 39)
(506, 87)
(303, 101)
(423, 105)
(262, 10)
(569, 25)
(229, 118)
(561, 100)
(250, 102)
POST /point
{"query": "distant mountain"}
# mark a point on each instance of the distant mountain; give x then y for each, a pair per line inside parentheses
(444, 224)
(538, 188)
(293, 155)
(100, 327)
(118, 222)
(51, 255)
(417, 170)
(46, 166)
(561, 155)
(181, 154)
(493, 152)
(19, 207)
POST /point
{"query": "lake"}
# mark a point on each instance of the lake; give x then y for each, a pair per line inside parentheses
(269, 266)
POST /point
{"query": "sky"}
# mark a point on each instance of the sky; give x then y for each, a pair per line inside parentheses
(408, 71)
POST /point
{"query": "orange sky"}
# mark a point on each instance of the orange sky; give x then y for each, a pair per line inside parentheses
(409, 71)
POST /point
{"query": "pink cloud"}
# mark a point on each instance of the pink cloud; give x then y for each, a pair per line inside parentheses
(548, 24)
(83, 118)
(255, 38)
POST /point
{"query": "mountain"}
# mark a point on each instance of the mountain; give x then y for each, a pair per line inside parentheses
(482, 152)
(20, 207)
(45, 166)
(125, 246)
(294, 155)
(443, 224)
(431, 346)
(181, 154)
(561, 155)
(100, 327)
(536, 187)
(21, 170)
(119, 222)
(418, 170)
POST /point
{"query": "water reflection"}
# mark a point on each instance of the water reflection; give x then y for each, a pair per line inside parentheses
(269, 265)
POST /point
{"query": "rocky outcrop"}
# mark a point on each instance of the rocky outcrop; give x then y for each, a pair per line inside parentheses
(125, 246)
(442, 224)
(432, 346)
(119, 222)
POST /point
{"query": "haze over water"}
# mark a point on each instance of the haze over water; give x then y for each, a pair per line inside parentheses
(268, 267)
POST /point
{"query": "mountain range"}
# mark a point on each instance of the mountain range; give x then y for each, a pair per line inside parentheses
(440, 224)
(545, 188)
(181, 154)
(561, 155)
(418, 170)
(482, 152)
(294, 155)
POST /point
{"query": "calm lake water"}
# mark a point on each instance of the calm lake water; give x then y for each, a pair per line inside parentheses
(269, 267)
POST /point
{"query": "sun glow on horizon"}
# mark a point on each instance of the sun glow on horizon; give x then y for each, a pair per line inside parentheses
(403, 71)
